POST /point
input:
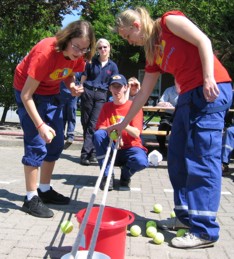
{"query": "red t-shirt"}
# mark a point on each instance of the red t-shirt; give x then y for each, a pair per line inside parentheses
(112, 114)
(46, 65)
(181, 59)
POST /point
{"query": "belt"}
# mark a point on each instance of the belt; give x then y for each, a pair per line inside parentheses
(95, 89)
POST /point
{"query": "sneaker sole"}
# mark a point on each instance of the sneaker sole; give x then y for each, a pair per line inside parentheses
(26, 210)
(54, 202)
(198, 246)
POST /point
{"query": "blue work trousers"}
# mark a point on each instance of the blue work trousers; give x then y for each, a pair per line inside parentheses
(194, 159)
(130, 160)
(91, 105)
(69, 103)
(228, 144)
(35, 148)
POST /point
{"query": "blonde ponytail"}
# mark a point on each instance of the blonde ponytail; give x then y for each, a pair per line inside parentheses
(151, 30)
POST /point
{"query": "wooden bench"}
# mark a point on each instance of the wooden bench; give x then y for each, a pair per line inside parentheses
(154, 132)
(152, 124)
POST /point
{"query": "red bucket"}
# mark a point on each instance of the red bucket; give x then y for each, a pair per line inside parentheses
(112, 233)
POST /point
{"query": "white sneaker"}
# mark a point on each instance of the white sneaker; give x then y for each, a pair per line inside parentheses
(171, 224)
(189, 240)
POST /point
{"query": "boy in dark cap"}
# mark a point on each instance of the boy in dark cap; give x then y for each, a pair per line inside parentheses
(132, 155)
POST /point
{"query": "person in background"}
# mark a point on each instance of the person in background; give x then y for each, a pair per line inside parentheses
(194, 153)
(133, 87)
(95, 79)
(168, 99)
(69, 103)
(227, 148)
(150, 101)
(37, 91)
(131, 155)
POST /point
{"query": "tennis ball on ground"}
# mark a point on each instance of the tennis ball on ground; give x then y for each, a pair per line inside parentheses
(158, 238)
(181, 232)
(157, 208)
(151, 223)
(151, 231)
(173, 215)
(135, 230)
(114, 135)
(66, 227)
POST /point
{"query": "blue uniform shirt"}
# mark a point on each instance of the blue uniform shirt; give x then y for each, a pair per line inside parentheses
(98, 76)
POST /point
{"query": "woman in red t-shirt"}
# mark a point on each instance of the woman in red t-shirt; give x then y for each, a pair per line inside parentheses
(175, 45)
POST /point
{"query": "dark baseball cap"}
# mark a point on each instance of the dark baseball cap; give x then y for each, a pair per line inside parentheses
(119, 79)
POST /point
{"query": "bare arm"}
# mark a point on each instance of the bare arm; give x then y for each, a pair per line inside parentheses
(185, 29)
(29, 104)
(133, 131)
(148, 84)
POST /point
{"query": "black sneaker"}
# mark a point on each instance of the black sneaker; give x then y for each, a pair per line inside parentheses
(125, 182)
(93, 158)
(36, 208)
(225, 170)
(53, 197)
(103, 183)
(84, 161)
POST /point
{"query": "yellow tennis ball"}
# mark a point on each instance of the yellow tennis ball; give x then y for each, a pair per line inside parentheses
(66, 226)
(135, 230)
(114, 135)
(151, 231)
(181, 232)
(51, 135)
(158, 238)
(173, 215)
(158, 208)
(151, 223)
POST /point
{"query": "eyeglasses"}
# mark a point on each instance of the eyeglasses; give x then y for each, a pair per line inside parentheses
(134, 85)
(102, 47)
(77, 49)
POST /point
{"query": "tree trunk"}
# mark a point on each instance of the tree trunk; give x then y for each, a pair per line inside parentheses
(4, 114)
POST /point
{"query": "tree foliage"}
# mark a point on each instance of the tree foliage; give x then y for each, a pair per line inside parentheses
(22, 24)
(214, 17)
(25, 22)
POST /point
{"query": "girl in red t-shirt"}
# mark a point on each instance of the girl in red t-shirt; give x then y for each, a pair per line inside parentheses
(175, 45)
(37, 85)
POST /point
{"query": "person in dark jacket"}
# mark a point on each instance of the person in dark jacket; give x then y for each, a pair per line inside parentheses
(95, 80)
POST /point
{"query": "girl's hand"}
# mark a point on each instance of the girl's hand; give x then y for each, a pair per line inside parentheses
(77, 90)
(117, 127)
(47, 133)
(210, 90)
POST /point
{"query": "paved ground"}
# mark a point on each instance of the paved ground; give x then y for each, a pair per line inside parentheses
(23, 236)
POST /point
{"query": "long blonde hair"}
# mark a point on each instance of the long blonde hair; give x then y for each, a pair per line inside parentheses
(151, 29)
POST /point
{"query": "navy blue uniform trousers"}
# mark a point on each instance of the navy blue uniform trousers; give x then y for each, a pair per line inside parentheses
(194, 159)
(228, 144)
(130, 160)
(91, 105)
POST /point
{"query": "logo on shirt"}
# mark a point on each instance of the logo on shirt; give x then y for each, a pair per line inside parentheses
(60, 73)
(160, 55)
(114, 119)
